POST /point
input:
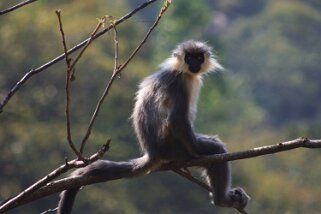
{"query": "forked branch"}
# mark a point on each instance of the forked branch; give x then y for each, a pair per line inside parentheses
(43, 67)
(67, 88)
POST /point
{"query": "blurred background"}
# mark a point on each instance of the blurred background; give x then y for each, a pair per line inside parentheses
(269, 92)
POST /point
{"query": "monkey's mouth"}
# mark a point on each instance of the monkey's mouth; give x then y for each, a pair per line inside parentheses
(194, 69)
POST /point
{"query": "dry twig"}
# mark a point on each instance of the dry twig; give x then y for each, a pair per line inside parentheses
(43, 67)
(67, 89)
(10, 9)
(91, 38)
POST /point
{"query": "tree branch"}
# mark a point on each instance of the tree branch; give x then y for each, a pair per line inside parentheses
(67, 88)
(91, 38)
(16, 6)
(14, 201)
(259, 151)
(43, 67)
(126, 172)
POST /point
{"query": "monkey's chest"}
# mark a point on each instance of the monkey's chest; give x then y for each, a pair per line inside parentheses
(194, 86)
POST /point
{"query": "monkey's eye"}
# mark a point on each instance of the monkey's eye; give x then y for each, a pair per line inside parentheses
(200, 58)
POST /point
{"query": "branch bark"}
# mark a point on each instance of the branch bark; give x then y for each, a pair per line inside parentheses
(52, 175)
(126, 172)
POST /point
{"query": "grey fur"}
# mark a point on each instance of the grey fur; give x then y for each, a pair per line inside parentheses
(163, 118)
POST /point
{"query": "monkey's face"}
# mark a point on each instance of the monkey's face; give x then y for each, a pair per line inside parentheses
(194, 61)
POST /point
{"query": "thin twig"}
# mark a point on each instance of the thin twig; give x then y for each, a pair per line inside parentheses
(50, 211)
(58, 12)
(117, 72)
(91, 38)
(67, 89)
(116, 49)
(193, 179)
(43, 67)
(163, 9)
(16, 6)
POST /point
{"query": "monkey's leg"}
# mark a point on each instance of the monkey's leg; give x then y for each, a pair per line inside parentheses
(219, 177)
(209, 145)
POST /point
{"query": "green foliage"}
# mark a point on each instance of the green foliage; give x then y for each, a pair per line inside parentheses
(279, 54)
(269, 92)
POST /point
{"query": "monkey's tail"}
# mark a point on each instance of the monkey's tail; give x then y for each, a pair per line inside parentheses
(67, 199)
(109, 170)
(68, 196)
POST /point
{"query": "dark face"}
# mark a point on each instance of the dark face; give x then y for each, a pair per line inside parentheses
(194, 61)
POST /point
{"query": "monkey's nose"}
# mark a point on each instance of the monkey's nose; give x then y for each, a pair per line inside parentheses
(194, 69)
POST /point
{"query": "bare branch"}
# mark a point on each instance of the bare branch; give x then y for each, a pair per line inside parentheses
(67, 88)
(43, 67)
(259, 151)
(116, 49)
(92, 36)
(163, 9)
(14, 201)
(58, 12)
(60, 185)
(192, 179)
(50, 211)
(117, 72)
(10, 9)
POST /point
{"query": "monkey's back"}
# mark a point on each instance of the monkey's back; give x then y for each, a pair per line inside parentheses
(151, 114)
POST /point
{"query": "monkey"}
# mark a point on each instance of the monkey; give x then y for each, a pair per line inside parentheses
(163, 118)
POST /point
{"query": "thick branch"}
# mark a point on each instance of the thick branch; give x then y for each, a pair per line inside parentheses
(33, 189)
(125, 170)
(32, 72)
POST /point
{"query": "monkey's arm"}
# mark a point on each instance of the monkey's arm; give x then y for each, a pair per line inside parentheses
(183, 131)
(180, 125)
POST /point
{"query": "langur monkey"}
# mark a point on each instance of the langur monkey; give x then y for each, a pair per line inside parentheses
(163, 116)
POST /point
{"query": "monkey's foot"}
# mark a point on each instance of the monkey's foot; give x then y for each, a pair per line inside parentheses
(236, 198)
(240, 199)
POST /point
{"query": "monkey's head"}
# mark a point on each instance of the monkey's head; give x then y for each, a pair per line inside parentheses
(193, 57)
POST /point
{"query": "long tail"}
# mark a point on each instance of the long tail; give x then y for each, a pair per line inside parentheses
(67, 199)
(109, 170)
